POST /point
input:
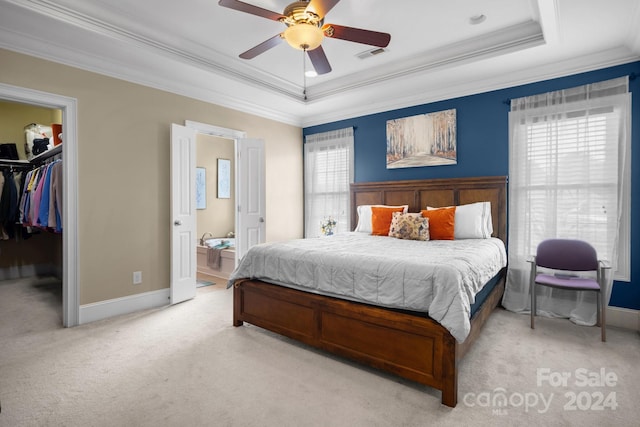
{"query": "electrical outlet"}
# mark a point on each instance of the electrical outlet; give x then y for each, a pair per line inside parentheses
(137, 277)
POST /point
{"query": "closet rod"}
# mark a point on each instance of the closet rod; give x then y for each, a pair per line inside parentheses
(36, 161)
(25, 164)
(15, 163)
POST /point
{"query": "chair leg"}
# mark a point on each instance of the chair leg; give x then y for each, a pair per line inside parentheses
(603, 311)
(532, 291)
(598, 310)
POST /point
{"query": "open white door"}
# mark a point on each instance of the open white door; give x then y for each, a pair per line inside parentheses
(183, 213)
(250, 194)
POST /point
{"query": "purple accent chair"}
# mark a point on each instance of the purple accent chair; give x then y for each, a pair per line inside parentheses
(569, 256)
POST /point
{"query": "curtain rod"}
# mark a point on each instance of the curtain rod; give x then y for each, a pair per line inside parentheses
(632, 76)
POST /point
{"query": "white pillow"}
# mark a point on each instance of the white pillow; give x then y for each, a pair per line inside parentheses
(472, 221)
(364, 216)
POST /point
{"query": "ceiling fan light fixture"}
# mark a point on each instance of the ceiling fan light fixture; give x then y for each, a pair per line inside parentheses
(303, 36)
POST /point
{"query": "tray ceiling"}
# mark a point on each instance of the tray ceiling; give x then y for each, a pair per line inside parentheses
(435, 53)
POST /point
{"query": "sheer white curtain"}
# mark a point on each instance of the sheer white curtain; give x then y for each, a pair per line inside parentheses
(569, 177)
(328, 171)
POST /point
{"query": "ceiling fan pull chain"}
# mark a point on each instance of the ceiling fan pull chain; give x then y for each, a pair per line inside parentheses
(304, 74)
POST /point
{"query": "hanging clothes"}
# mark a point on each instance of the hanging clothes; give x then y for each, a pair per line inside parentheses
(55, 194)
(40, 203)
(3, 234)
(9, 202)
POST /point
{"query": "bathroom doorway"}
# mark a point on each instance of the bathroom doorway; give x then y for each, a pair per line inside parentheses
(250, 203)
(215, 210)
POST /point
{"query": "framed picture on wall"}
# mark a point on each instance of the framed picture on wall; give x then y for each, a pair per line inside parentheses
(422, 140)
(201, 188)
(224, 178)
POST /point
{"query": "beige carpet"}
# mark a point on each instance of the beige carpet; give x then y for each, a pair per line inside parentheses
(187, 366)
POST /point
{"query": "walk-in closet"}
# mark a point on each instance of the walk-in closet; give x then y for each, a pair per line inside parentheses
(31, 232)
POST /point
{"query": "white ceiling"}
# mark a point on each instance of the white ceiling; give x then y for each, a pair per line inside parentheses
(192, 47)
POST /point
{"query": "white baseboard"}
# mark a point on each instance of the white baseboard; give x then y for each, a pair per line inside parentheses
(125, 305)
(623, 318)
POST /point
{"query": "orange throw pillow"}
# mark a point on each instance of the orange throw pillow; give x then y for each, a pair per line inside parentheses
(381, 220)
(441, 222)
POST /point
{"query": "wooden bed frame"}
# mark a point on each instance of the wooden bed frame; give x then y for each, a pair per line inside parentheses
(409, 345)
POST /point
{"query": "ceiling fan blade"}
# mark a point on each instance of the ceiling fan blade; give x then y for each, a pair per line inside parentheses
(249, 8)
(262, 47)
(319, 60)
(321, 7)
(357, 35)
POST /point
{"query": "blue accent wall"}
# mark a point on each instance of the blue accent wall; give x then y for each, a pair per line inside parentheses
(483, 144)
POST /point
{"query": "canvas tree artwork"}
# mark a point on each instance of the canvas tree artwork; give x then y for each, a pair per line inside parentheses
(422, 140)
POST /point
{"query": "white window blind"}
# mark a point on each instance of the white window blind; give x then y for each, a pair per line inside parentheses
(573, 185)
(328, 172)
(569, 177)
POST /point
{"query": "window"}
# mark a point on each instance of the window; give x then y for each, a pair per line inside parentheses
(573, 186)
(569, 177)
(570, 172)
(328, 171)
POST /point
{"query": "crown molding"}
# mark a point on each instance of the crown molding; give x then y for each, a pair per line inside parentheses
(230, 93)
(500, 42)
(204, 75)
(549, 13)
(439, 92)
(208, 59)
(633, 39)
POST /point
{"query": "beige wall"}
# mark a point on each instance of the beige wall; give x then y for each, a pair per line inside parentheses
(218, 218)
(123, 156)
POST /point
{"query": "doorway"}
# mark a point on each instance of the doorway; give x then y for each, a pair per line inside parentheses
(249, 210)
(215, 209)
(70, 262)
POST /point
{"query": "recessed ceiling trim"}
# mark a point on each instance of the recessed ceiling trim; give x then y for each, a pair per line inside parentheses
(500, 42)
(435, 93)
(27, 44)
(207, 75)
(550, 20)
(633, 39)
(256, 78)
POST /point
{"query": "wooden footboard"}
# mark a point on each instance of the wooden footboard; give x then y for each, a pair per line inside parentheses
(411, 346)
(407, 345)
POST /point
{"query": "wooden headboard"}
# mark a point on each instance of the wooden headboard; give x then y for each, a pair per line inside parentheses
(436, 192)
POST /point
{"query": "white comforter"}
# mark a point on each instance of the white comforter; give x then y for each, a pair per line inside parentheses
(438, 277)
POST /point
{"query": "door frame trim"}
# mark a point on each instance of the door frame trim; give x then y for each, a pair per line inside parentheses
(215, 130)
(70, 246)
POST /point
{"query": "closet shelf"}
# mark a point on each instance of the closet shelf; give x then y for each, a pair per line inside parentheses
(49, 153)
(36, 160)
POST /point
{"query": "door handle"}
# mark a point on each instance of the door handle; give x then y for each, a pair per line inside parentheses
(177, 222)
(261, 219)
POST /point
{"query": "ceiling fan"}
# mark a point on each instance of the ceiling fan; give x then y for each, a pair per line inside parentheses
(306, 30)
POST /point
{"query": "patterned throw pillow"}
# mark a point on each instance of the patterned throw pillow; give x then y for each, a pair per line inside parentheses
(409, 226)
